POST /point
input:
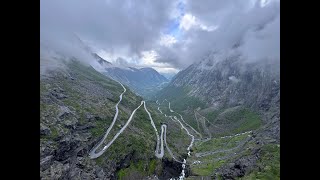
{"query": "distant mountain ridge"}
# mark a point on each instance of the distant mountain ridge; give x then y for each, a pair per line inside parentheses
(144, 81)
(225, 95)
(169, 76)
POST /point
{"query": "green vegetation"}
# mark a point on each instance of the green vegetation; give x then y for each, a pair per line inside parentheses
(191, 120)
(234, 120)
(121, 174)
(101, 127)
(250, 120)
(138, 169)
(54, 134)
(152, 166)
(207, 169)
(212, 115)
(180, 99)
(218, 144)
(269, 164)
(222, 147)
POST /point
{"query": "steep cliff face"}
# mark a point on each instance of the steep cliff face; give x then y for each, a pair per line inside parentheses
(77, 105)
(231, 82)
(224, 95)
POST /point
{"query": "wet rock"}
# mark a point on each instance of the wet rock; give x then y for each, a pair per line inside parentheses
(81, 163)
(64, 149)
(74, 173)
(90, 117)
(44, 130)
(45, 162)
(100, 173)
(61, 132)
(238, 168)
(171, 169)
(86, 176)
(85, 127)
(126, 161)
(83, 152)
(154, 177)
(56, 170)
(46, 149)
(85, 137)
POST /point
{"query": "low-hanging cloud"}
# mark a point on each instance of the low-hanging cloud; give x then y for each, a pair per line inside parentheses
(129, 28)
(252, 27)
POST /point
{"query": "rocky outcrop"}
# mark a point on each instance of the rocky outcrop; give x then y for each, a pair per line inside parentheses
(58, 93)
(239, 167)
(172, 169)
(226, 83)
(44, 130)
(74, 114)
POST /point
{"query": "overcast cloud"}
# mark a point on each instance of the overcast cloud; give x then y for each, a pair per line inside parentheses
(168, 35)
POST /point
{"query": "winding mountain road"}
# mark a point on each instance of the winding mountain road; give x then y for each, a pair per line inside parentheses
(189, 125)
(209, 121)
(192, 137)
(159, 110)
(161, 140)
(92, 153)
(182, 119)
(158, 155)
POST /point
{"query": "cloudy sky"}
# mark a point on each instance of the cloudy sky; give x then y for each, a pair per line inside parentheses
(167, 35)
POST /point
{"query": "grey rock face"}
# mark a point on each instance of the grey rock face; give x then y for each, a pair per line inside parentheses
(74, 115)
(231, 82)
(100, 173)
(45, 162)
(58, 93)
(240, 166)
(64, 112)
(44, 130)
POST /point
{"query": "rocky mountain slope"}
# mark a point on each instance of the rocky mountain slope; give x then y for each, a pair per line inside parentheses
(222, 96)
(77, 105)
(144, 81)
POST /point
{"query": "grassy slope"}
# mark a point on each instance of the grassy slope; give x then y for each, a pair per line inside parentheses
(232, 120)
(179, 98)
(269, 164)
(92, 93)
(211, 162)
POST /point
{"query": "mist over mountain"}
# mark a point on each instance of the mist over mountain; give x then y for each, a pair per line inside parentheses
(170, 89)
(145, 81)
(232, 96)
(169, 76)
